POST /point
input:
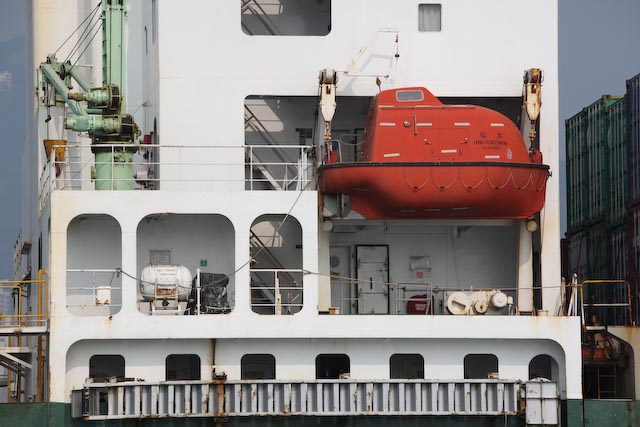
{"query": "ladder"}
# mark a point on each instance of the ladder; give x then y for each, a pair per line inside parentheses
(607, 381)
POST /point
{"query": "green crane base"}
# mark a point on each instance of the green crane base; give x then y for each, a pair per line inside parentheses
(114, 171)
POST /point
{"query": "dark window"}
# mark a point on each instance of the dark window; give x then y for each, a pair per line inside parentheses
(106, 366)
(285, 17)
(430, 17)
(182, 367)
(258, 367)
(332, 366)
(407, 366)
(541, 366)
(480, 366)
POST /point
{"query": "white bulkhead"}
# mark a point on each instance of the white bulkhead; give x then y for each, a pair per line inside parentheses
(226, 98)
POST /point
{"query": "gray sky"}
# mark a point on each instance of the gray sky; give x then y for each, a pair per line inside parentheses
(12, 125)
(599, 51)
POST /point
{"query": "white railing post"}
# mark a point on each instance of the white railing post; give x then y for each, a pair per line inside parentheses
(93, 287)
(397, 293)
(198, 288)
(52, 171)
(277, 293)
(251, 167)
(113, 166)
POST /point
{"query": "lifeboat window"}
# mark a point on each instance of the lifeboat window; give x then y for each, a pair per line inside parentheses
(406, 366)
(429, 17)
(409, 95)
(106, 366)
(480, 366)
(180, 367)
(258, 367)
(332, 366)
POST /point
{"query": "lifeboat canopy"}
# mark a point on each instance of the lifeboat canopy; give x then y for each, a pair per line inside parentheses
(420, 158)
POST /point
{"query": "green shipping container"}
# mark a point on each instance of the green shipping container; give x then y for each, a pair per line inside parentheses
(588, 168)
(617, 148)
(576, 176)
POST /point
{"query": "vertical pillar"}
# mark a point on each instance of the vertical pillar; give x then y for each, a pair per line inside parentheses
(525, 269)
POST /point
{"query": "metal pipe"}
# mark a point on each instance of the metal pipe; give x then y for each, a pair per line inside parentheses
(62, 89)
(75, 73)
(41, 273)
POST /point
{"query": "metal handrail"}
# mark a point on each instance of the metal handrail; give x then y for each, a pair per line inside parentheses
(283, 172)
(41, 317)
(618, 307)
(92, 285)
(279, 289)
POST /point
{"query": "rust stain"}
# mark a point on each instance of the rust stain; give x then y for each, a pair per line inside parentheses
(166, 292)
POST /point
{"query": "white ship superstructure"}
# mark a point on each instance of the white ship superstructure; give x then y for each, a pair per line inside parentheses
(225, 265)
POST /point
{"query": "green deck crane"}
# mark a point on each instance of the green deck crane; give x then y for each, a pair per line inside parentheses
(101, 111)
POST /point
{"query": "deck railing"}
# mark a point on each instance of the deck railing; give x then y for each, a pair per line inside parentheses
(183, 167)
(276, 290)
(94, 291)
(221, 398)
(18, 290)
(601, 302)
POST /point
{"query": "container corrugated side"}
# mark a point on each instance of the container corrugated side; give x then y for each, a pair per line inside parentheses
(577, 196)
(597, 158)
(576, 257)
(633, 228)
(597, 247)
(617, 148)
(619, 253)
(633, 137)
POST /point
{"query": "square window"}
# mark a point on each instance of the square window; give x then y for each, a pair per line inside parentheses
(430, 17)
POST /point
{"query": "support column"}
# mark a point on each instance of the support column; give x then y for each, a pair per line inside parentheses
(525, 269)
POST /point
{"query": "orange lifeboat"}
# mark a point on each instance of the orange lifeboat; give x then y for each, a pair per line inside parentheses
(422, 159)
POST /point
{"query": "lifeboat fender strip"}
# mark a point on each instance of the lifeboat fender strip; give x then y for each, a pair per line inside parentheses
(510, 178)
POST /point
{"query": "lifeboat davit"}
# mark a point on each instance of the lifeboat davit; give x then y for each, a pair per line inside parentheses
(420, 158)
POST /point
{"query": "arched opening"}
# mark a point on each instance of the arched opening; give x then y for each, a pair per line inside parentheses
(480, 366)
(544, 366)
(258, 367)
(106, 366)
(276, 265)
(406, 366)
(94, 255)
(171, 249)
(181, 367)
(332, 366)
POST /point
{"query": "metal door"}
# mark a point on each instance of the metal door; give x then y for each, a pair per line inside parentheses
(373, 278)
(342, 287)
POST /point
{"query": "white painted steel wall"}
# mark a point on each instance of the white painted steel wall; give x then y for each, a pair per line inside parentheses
(205, 68)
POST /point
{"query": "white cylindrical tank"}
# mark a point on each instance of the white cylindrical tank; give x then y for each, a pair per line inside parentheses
(165, 282)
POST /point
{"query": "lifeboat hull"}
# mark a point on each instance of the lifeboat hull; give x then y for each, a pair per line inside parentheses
(474, 190)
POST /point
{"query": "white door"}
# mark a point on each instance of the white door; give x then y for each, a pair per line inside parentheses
(373, 278)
